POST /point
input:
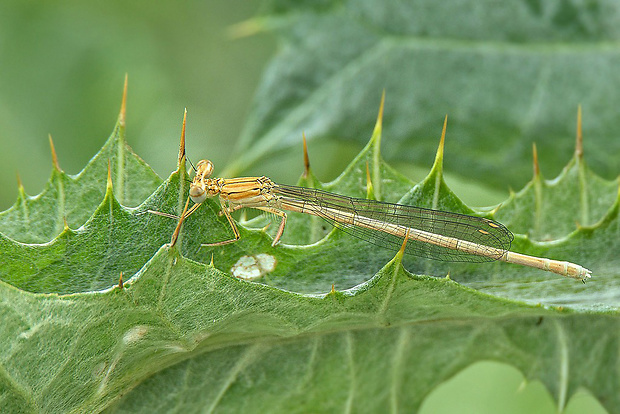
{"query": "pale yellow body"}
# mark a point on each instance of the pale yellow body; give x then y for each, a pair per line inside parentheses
(259, 193)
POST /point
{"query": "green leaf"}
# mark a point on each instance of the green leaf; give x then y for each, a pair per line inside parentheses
(584, 197)
(184, 333)
(508, 74)
(40, 218)
(248, 346)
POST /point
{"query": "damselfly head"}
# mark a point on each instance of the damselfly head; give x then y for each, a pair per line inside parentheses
(204, 168)
(197, 190)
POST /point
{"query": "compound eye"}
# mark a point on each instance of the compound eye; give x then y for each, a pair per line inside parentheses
(197, 194)
(204, 168)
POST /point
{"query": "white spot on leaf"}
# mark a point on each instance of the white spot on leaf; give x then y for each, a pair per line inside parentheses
(135, 334)
(253, 267)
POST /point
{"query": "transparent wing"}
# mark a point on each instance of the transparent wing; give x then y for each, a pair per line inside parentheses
(336, 208)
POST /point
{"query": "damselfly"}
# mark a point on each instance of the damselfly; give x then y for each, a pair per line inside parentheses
(433, 234)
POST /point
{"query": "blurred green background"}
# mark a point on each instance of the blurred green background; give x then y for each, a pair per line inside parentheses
(62, 67)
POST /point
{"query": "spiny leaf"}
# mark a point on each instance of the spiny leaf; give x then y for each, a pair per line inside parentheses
(548, 210)
(40, 218)
(90, 258)
(520, 69)
(433, 192)
(345, 261)
(387, 341)
(337, 259)
(387, 183)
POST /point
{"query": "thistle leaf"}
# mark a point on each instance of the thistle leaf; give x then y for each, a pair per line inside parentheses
(183, 332)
